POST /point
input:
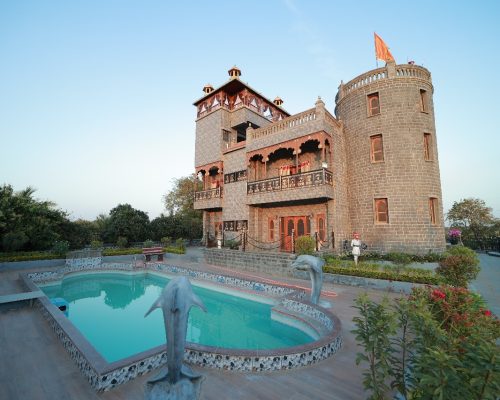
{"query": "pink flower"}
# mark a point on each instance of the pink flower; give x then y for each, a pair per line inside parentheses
(487, 313)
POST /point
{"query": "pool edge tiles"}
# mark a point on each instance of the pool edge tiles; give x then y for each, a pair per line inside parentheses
(104, 376)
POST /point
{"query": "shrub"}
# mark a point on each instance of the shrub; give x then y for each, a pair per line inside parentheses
(399, 258)
(27, 256)
(180, 243)
(305, 245)
(13, 241)
(444, 346)
(121, 242)
(232, 244)
(60, 247)
(121, 252)
(96, 244)
(459, 266)
(174, 250)
(148, 243)
(166, 241)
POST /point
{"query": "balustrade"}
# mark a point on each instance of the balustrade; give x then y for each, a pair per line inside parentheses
(208, 194)
(284, 124)
(305, 179)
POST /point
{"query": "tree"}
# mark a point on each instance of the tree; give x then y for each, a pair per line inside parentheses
(180, 200)
(125, 221)
(182, 221)
(27, 223)
(473, 216)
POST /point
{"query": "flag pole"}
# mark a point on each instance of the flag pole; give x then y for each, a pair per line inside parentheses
(375, 48)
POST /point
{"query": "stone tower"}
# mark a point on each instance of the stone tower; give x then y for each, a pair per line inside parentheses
(394, 187)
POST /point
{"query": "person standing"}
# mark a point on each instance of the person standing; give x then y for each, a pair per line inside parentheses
(356, 247)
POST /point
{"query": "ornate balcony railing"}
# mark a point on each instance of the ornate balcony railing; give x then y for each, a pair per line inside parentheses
(208, 194)
(305, 179)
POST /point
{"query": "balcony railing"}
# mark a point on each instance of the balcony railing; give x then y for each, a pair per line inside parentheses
(208, 194)
(305, 179)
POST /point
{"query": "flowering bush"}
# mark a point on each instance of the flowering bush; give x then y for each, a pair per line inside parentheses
(454, 233)
(444, 345)
(459, 266)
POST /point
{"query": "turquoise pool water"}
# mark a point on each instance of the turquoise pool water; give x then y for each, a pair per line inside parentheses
(109, 308)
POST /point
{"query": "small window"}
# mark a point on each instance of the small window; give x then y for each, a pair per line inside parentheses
(373, 104)
(424, 106)
(433, 204)
(271, 230)
(381, 211)
(376, 148)
(427, 147)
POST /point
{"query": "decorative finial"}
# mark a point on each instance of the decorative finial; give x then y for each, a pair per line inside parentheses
(234, 73)
(208, 88)
(278, 101)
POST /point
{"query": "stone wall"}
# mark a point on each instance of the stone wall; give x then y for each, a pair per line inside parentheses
(403, 177)
(277, 264)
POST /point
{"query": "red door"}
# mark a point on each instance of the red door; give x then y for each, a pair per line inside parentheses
(300, 226)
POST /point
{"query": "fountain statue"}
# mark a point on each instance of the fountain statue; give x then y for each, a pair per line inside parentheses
(176, 381)
(315, 267)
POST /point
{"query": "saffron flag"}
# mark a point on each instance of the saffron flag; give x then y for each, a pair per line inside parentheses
(381, 50)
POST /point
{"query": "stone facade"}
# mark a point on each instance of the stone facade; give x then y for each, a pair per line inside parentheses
(316, 174)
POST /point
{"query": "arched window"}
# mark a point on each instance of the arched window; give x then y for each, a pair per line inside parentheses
(321, 226)
(300, 227)
(381, 211)
(373, 104)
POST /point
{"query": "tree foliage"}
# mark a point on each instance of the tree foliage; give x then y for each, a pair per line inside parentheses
(474, 217)
(28, 223)
(180, 200)
(125, 221)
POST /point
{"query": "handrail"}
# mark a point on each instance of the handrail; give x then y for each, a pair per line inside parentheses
(286, 123)
(305, 179)
(208, 194)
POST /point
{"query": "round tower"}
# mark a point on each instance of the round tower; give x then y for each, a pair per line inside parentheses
(394, 186)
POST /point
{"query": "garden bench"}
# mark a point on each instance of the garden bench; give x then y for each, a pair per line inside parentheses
(153, 251)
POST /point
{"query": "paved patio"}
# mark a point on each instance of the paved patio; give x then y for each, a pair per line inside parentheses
(35, 365)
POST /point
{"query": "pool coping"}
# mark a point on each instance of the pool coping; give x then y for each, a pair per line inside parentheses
(104, 375)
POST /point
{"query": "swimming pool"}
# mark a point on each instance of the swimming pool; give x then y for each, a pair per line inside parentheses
(108, 309)
(289, 305)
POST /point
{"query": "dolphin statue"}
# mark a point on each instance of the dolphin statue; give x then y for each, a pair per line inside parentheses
(176, 300)
(315, 267)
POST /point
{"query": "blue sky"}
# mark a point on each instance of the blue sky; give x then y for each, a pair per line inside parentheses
(96, 96)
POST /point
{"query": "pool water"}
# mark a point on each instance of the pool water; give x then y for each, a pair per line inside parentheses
(109, 308)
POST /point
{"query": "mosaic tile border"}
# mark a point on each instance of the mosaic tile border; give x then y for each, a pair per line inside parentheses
(104, 376)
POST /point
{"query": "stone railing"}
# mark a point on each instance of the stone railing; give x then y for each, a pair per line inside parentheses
(392, 71)
(284, 124)
(305, 179)
(208, 194)
(408, 70)
(365, 79)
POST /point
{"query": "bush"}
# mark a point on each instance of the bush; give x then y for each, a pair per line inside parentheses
(121, 252)
(305, 245)
(60, 247)
(175, 250)
(121, 242)
(444, 346)
(27, 256)
(460, 266)
(180, 243)
(96, 244)
(399, 258)
(166, 241)
(232, 244)
(148, 243)
(14, 241)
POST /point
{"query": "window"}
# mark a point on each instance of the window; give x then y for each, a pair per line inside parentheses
(427, 147)
(373, 104)
(321, 227)
(381, 211)
(376, 148)
(271, 229)
(433, 204)
(424, 107)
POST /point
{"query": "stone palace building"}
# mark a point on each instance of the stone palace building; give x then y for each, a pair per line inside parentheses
(371, 168)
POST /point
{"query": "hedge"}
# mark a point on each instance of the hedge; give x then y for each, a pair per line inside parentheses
(29, 257)
(404, 276)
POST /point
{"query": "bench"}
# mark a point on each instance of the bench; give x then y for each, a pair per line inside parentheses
(13, 298)
(153, 251)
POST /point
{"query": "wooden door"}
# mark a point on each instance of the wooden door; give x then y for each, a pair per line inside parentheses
(300, 226)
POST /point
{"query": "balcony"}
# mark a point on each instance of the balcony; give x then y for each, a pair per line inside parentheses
(208, 199)
(302, 186)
